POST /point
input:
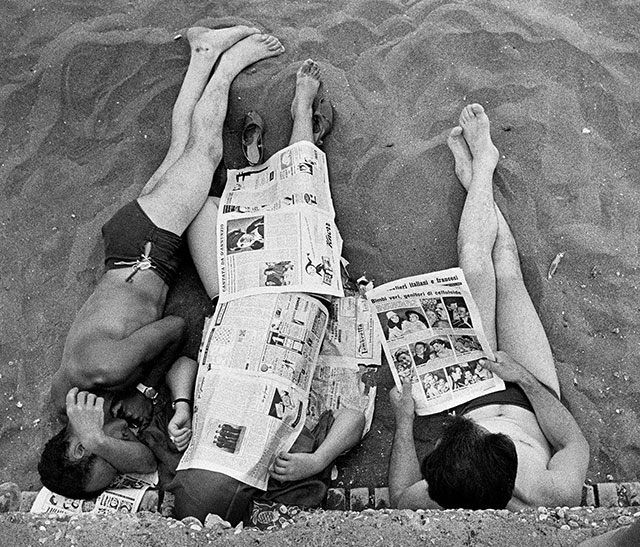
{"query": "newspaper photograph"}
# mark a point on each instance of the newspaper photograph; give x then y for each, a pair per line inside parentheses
(123, 496)
(276, 228)
(255, 367)
(432, 335)
(349, 359)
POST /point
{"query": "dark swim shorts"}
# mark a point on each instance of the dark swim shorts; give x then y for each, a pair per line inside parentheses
(126, 235)
(513, 394)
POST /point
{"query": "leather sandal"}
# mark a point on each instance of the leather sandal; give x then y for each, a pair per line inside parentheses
(252, 129)
(322, 121)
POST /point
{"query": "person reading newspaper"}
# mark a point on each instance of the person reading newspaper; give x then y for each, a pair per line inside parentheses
(514, 448)
(199, 491)
(119, 339)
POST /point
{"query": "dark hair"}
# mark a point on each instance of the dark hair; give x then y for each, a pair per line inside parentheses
(471, 468)
(61, 474)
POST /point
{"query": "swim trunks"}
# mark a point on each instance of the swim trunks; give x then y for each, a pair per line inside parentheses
(513, 394)
(127, 233)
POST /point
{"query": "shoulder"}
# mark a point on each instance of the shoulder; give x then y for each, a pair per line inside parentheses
(417, 497)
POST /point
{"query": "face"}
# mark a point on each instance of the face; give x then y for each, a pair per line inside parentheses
(432, 316)
(413, 317)
(393, 318)
(441, 311)
(420, 349)
(467, 375)
(438, 346)
(246, 240)
(456, 373)
(403, 359)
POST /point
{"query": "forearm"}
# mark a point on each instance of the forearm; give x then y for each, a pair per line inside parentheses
(181, 378)
(344, 434)
(555, 420)
(404, 467)
(125, 456)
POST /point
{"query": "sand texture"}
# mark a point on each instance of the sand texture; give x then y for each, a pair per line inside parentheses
(86, 91)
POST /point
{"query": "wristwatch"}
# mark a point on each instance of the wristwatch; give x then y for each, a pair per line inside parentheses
(147, 391)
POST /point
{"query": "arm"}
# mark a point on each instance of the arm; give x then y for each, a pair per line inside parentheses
(180, 379)
(116, 364)
(567, 468)
(407, 489)
(344, 434)
(86, 418)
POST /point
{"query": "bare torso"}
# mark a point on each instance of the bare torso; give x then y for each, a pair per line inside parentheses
(532, 447)
(114, 311)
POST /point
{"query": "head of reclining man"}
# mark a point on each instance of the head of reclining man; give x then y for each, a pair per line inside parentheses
(68, 468)
(470, 467)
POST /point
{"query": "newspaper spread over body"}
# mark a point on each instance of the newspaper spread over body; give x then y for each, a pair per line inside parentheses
(123, 496)
(256, 367)
(431, 333)
(273, 357)
(276, 227)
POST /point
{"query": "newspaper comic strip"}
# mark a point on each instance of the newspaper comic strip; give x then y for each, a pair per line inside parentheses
(432, 335)
(256, 363)
(123, 496)
(276, 228)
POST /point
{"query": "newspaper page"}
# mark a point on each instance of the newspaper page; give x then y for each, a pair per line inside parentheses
(350, 357)
(276, 228)
(123, 496)
(256, 362)
(432, 335)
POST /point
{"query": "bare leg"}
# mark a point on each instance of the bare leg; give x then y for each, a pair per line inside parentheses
(201, 237)
(183, 188)
(519, 330)
(206, 46)
(307, 85)
(478, 222)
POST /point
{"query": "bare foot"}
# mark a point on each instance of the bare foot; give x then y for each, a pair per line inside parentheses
(475, 128)
(307, 85)
(296, 466)
(247, 51)
(212, 42)
(462, 156)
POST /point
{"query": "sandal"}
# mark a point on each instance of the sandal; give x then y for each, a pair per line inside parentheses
(322, 121)
(252, 129)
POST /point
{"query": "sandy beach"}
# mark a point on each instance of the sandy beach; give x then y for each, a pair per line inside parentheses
(86, 92)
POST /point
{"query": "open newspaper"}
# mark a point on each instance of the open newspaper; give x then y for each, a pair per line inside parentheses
(123, 496)
(276, 227)
(261, 380)
(432, 335)
(256, 362)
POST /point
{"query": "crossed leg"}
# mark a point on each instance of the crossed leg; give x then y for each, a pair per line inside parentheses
(488, 253)
(177, 190)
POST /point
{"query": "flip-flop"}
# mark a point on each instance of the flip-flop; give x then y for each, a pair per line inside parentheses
(322, 121)
(252, 129)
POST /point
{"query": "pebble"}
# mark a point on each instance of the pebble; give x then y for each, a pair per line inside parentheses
(624, 520)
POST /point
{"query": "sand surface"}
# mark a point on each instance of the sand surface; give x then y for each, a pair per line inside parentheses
(86, 91)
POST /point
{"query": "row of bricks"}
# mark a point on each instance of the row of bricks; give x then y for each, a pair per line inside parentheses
(606, 494)
(609, 494)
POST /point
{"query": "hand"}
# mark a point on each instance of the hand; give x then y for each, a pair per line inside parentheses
(86, 416)
(505, 367)
(136, 409)
(180, 427)
(402, 402)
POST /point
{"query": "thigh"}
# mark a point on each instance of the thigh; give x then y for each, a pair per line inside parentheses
(519, 329)
(199, 492)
